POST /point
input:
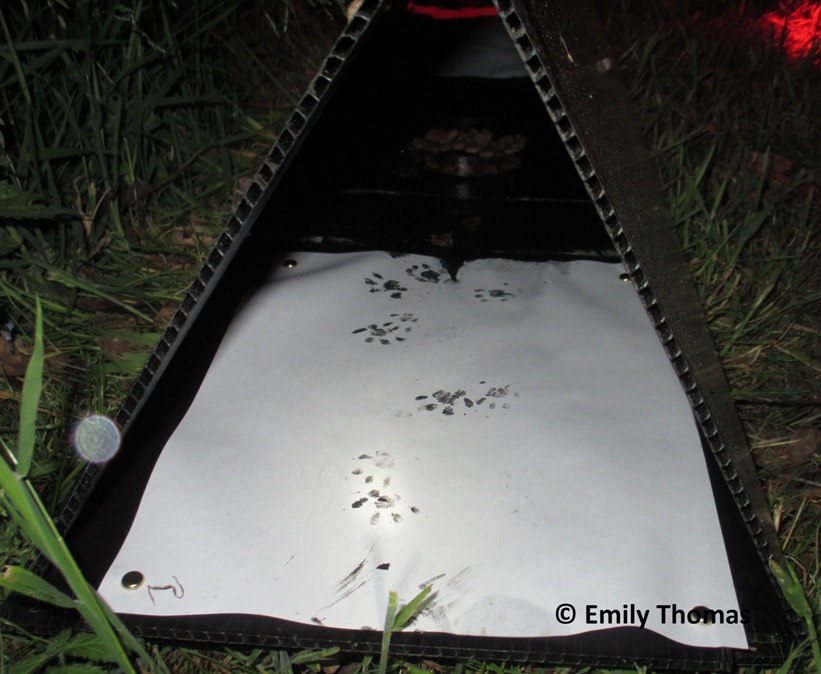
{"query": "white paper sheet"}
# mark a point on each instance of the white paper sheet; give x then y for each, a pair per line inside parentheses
(516, 438)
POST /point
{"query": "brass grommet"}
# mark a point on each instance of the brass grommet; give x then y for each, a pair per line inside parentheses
(133, 580)
(705, 615)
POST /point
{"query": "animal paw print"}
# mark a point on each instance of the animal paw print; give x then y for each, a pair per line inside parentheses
(449, 402)
(383, 333)
(378, 284)
(380, 502)
(423, 273)
(500, 294)
(445, 398)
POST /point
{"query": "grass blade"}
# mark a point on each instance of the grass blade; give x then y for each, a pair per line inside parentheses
(306, 657)
(796, 598)
(16, 204)
(410, 609)
(23, 503)
(20, 580)
(390, 619)
(395, 620)
(30, 400)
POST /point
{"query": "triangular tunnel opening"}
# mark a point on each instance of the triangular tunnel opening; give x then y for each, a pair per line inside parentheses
(432, 372)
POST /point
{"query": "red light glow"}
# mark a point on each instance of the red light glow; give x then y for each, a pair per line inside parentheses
(798, 25)
(457, 11)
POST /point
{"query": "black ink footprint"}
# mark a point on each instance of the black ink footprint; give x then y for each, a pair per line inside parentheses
(498, 294)
(423, 273)
(447, 400)
(378, 284)
(378, 498)
(383, 333)
(500, 392)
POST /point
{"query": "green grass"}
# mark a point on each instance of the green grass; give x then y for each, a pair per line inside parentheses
(122, 143)
(735, 127)
(115, 179)
(736, 130)
(25, 507)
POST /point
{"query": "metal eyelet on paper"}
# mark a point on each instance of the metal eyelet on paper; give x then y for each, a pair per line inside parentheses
(706, 616)
(133, 580)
